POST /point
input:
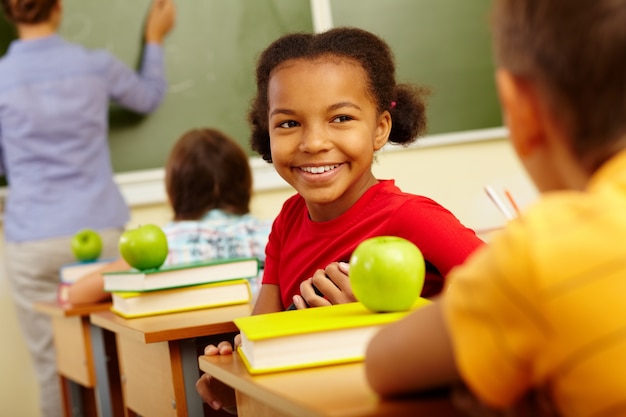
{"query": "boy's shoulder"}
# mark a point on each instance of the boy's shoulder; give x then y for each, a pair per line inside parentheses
(604, 201)
(562, 224)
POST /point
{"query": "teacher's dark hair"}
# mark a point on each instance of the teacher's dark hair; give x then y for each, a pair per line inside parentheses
(28, 12)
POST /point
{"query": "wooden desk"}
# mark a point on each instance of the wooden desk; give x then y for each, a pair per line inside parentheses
(79, 362)
(158, 356)
(337, 391)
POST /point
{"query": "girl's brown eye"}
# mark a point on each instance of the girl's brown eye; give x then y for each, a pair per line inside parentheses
(288, 124)
(340, 119)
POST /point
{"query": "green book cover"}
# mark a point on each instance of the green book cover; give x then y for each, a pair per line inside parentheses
(181, 275)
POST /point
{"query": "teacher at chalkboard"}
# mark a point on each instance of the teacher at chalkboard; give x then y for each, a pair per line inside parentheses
(54, 99)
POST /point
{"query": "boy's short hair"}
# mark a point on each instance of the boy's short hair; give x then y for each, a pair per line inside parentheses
(206, 170)
(575, 51)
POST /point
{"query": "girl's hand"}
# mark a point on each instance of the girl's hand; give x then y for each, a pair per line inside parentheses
(215, 393)
(333, 282)
(212, 391)
(222, 348)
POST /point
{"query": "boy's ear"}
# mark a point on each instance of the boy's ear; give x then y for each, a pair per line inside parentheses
(383, 130)
(521, 112)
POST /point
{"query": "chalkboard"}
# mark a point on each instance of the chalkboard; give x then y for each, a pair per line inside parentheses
(444, 45)
(210, 56)
(441, 44)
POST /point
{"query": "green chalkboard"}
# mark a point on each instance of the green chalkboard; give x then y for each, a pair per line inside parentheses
(210, 57)
(442, 44)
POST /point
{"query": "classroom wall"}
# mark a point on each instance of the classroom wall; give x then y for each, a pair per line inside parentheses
(454, 175)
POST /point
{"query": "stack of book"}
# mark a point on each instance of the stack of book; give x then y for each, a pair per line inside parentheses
(72, 272)
(296, 339)
(181, 287)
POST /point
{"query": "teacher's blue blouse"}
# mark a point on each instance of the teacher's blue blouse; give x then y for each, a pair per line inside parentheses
(54, 102)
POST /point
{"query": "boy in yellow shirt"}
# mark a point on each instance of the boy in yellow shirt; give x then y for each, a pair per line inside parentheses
(542, 308)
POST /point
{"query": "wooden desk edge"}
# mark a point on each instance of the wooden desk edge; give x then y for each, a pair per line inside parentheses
(55, 309)
(155, 329)
(230, 370)
(110, 321)
(240, 380)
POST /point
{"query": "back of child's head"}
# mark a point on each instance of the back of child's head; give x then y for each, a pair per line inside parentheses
(28, 11)
(207, 170)
(575, 52)
(404, 101)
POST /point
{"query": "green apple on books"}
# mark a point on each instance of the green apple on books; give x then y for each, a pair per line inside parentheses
(387, 275)
(144, 247)
(86, 245)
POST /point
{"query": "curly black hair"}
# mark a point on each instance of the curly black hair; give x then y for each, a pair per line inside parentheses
(405, 102)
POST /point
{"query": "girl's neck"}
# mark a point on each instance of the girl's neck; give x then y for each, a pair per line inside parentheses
(36, 31)
(329, 211)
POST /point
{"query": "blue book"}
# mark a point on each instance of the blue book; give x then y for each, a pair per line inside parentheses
(72, 272)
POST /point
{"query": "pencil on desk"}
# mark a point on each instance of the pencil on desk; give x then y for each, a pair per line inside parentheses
(499, 203)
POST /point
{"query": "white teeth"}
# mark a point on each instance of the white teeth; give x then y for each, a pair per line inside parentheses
(319, 170)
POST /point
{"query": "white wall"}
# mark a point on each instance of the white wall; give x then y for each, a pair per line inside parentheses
(453, 175)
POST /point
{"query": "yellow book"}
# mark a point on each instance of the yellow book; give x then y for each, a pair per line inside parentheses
(196, 297)
(313, 337)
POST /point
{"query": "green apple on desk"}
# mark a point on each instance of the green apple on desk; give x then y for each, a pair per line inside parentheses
(86, 245)
(387, 273)
(144, 247)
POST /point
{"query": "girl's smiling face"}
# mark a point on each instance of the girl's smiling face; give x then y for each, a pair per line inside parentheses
(324, 129)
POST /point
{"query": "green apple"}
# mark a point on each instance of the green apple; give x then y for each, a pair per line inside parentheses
(387, 273)
(86, 245)
(144, 247)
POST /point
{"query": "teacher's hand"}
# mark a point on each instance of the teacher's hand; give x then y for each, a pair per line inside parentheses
(160, 20)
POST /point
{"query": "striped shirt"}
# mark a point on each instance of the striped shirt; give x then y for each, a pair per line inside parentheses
(543, 307)
(217, 235)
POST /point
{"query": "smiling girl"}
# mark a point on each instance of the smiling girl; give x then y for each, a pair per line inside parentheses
(325, 104)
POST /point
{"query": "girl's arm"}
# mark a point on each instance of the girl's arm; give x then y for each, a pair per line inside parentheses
(412, 354)
(90, 288)
(268, 300)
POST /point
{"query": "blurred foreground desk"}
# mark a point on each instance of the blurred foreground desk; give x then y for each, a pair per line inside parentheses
(80, 360)
(158, 356)
(337, 391)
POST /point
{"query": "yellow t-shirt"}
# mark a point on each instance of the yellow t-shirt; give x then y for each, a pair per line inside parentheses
(544, 306)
